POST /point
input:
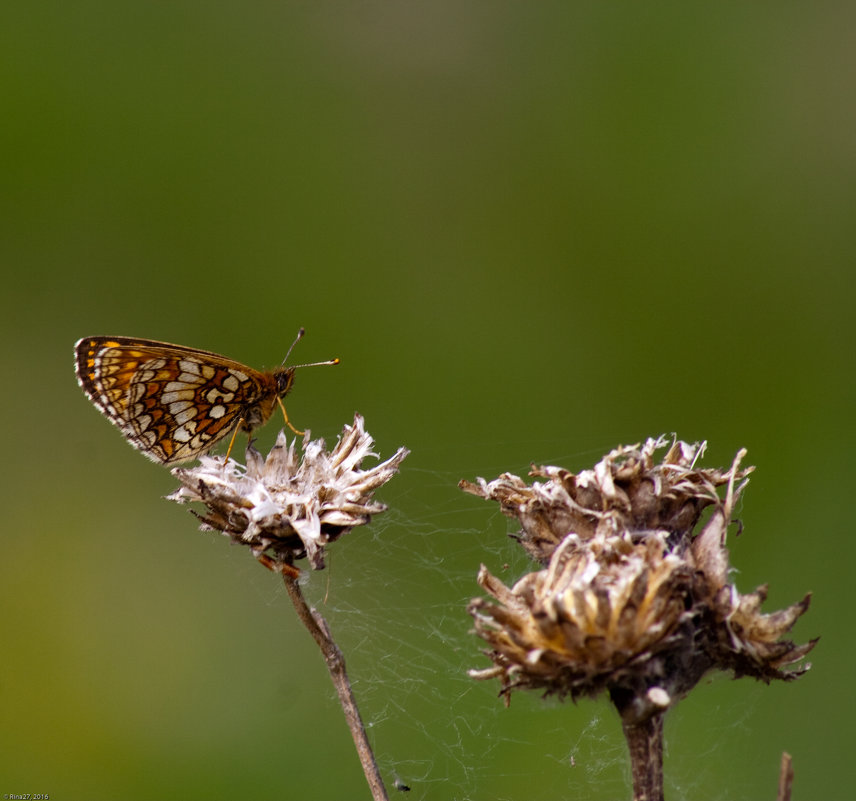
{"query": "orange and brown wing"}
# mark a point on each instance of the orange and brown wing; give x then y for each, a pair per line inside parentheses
(171, 402)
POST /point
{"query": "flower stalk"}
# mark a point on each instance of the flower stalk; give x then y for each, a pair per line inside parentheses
(645, 743)
(317, 626)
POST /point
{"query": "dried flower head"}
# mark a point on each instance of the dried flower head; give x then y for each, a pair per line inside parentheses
(626, 491)
(630, 600)
(288, 506)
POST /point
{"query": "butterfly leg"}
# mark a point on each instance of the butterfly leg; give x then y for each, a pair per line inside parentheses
(232, 441)
(287, 421)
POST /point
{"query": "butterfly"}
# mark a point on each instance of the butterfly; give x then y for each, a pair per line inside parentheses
(174, 403)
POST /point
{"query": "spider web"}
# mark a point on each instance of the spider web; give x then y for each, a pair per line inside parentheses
(399, 615)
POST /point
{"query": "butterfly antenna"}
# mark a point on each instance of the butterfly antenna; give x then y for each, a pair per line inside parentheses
(297, 339)
(316, 364)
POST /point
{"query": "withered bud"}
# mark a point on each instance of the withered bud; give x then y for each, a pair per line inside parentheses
(629, 600)
(287, 506)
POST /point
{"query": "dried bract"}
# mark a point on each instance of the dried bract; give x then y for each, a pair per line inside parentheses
(743, 640)
(629, 600)
(290, 505)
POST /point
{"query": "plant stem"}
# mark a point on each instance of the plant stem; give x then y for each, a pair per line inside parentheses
(317, 627)
(645, 740)
(786, 778)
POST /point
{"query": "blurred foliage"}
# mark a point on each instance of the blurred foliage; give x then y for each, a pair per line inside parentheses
(531, 232)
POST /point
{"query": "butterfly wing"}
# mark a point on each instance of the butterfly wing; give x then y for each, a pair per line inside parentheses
(170, 402)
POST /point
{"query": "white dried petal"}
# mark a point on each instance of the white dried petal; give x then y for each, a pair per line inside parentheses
(287, 504)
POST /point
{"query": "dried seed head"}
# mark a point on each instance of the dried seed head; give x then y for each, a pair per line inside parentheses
(628, 599)
(288, 506)
(625, 492)
(606, 614)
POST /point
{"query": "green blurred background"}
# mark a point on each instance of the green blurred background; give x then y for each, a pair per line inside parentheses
(531, 232)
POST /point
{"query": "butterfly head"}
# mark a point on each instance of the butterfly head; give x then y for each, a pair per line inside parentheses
(284, 377)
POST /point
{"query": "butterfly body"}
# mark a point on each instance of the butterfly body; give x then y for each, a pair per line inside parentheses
(172, 402)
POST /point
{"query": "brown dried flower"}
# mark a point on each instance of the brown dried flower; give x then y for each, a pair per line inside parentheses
(625, 491)
(288, 506)
(630, 600)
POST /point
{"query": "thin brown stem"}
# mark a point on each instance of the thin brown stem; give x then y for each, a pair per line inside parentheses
(317, 627)
(786, 778)
(645, 740)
